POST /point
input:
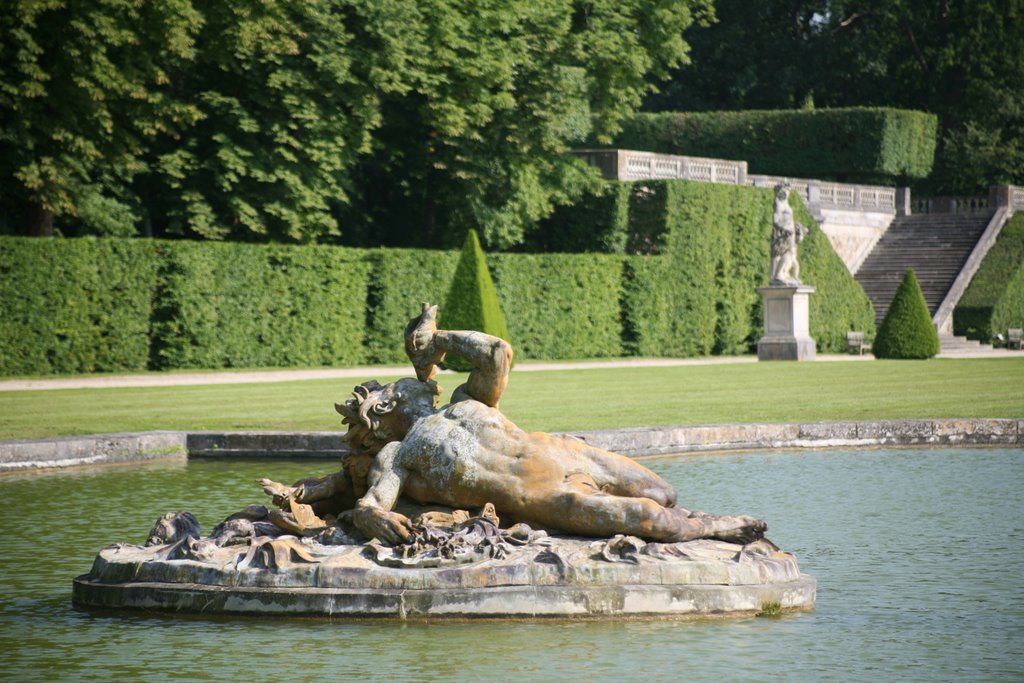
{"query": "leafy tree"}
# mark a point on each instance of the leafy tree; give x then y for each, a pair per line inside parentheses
(500, 91)
(755, 55)
(962, 61)
(83, 86)
(288, 92)
(907, 330)
(472, 302)
(264, 120)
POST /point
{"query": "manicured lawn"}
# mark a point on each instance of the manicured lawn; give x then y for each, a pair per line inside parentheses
(562, 400)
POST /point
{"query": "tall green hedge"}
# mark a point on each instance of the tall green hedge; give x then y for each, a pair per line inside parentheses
(249, 305)
(84, 305)
(699, 296)
(561, 305)
(865, 144)
(73, 306)
(400, 280)
(994, 301)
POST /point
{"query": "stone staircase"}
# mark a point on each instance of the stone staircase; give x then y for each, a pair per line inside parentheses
(934, 245)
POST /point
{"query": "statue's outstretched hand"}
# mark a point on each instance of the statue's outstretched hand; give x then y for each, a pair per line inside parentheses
(391, 527)
(419, 343)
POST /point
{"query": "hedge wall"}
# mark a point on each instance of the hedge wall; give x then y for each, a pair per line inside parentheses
(858, 144)
(400, 280)
(223, 305)
(73, 306)
(86, 305)
(994, 301)
(699, 297)
(561, 306)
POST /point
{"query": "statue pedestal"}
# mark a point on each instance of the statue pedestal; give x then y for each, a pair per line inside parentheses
(786, 331)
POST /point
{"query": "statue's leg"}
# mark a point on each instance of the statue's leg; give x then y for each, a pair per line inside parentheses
(622, 476)
(603, 515)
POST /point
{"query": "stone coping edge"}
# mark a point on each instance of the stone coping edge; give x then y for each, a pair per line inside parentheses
(100, 449)
(501, 602)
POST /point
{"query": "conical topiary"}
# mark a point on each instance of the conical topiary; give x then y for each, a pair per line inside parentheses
(472, 302)
(907, 331)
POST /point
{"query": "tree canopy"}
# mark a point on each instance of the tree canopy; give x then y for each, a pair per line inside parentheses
(377, 121)
(963, 61)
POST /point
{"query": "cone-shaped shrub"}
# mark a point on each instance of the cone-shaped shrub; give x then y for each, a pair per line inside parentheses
(907, 331)
(472, 302)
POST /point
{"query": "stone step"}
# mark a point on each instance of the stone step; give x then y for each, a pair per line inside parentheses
(935, 246)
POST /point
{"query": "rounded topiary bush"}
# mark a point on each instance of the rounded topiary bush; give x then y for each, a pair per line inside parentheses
(472, 302)
(907, 330)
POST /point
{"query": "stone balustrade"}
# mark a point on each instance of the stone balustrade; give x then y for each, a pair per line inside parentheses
(946, 204)
(1011, 196)
(623, 164)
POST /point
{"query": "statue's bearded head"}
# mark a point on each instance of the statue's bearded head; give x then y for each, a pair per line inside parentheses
(782, 191)
(377, 414)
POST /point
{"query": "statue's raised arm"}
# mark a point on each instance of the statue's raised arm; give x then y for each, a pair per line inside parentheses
(490, 356)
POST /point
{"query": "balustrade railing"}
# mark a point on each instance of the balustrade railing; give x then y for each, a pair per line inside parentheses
(624, 164)
(621, 164)
(950, 205)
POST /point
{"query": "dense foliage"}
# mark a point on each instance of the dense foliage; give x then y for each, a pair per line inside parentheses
(75, 306)
(400, 280)
(247, 305)
(125, 304)
(561, 306)
(907, 331)
(83, 86)
(390, 122)
(994, 301)
(597, 221)
(856, 144)
(699, 296)
(472, 303)
(963, 61)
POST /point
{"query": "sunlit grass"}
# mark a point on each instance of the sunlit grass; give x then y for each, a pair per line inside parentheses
(561, 400)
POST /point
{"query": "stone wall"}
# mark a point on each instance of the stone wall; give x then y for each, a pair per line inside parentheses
(102, 449)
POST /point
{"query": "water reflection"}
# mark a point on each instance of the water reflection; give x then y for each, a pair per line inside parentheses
(917, 554)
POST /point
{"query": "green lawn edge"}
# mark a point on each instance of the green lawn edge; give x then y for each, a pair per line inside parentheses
(558, 400)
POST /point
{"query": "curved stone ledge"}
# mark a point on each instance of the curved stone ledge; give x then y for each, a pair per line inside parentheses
(502, 602)
(632, 441)
(565, 577)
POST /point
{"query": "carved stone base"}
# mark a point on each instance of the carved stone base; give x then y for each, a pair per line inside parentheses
(556, 578)
(786, 323)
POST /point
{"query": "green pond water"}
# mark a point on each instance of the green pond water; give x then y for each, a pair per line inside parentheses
(919, 556)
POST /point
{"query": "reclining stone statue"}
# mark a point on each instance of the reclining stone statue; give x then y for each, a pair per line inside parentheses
(467, 454)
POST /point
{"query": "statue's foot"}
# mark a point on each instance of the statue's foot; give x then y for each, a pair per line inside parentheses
(742, 529)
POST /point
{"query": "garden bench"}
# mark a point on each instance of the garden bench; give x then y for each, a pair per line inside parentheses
(1013, 338)
(855, 342)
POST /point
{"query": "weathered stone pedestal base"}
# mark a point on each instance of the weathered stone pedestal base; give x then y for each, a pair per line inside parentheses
(559, 578)
(786, 327)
